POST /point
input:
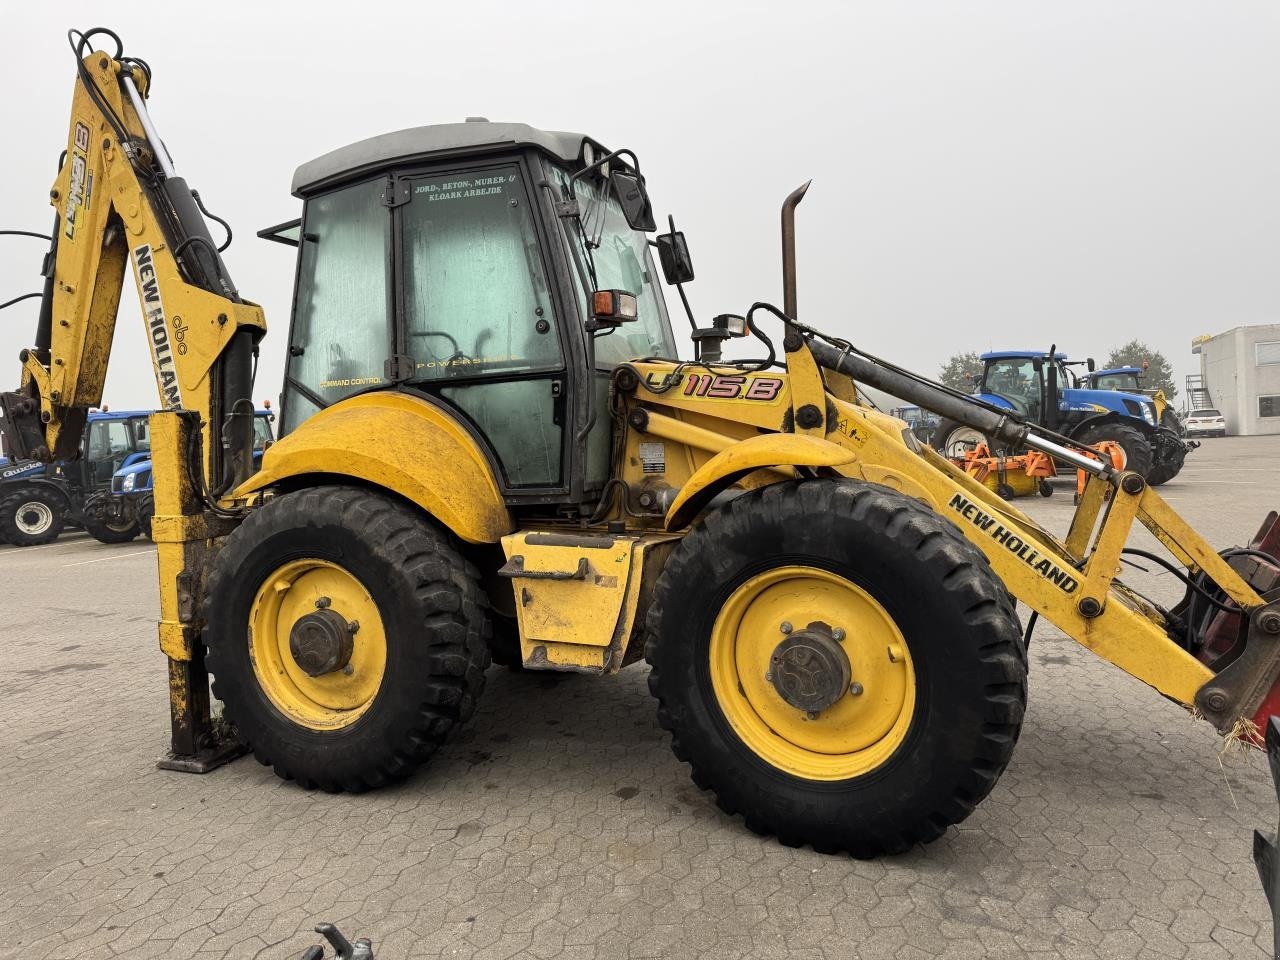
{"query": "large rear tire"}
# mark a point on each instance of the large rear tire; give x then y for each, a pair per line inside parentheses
(347, 636)
(31, 516)
(953, 440)
(1138, 453)
(751, 619)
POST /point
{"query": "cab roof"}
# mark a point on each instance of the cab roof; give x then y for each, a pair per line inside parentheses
(1019, 355)
(476, 135)
(1118, 370)
(117, 414)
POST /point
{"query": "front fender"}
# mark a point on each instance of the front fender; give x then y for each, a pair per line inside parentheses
(747, 456)
(400, 443)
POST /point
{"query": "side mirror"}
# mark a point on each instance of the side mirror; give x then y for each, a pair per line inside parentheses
(634, 200)
(673, 254)
(1090, 364)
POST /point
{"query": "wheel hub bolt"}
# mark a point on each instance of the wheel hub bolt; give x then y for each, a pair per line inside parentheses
(323, 603)
(855, 689)
(1270, 622)
(837, 634)
(786, 626)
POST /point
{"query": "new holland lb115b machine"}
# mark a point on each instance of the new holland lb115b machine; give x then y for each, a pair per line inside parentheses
(488, 443)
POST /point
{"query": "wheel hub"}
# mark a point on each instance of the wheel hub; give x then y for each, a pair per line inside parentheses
(810, 670)
(34, 518)
(321, 642)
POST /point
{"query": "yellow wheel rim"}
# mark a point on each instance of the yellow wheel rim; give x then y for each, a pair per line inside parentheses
(331, 700)
(859, 731)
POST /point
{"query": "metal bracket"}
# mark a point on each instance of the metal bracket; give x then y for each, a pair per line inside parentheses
(1239, 689)
(397, 192)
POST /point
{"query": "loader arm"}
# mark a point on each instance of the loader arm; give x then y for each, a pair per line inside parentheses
(118, 200)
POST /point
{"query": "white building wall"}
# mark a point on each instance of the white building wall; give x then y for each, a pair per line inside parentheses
(1237, 382)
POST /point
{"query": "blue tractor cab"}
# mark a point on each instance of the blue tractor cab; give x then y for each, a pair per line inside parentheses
(130, 502)
(38, 500)
(1042, 388)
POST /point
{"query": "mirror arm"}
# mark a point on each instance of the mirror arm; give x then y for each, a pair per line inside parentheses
(603, 162)
(688, 311)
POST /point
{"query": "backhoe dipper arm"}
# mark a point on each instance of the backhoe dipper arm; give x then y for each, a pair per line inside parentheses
(117, 198)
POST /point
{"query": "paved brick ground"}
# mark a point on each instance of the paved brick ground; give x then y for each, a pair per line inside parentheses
(559, 824)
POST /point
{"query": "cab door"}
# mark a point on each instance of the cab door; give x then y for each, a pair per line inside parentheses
(477, 326)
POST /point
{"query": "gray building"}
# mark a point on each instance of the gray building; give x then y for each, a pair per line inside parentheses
(1240, 376)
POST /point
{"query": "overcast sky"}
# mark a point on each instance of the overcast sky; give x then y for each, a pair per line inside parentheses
(985, 174)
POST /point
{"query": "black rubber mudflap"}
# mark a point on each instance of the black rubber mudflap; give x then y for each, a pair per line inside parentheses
(1266, 853)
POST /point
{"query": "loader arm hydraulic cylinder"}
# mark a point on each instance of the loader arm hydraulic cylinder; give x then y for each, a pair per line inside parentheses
(993, 423)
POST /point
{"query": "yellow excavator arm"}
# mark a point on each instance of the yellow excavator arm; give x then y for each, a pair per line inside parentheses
(117, 199)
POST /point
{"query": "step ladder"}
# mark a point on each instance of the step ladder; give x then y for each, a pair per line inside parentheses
(1198, 392)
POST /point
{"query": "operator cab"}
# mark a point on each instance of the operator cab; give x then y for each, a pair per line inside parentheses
(1019, 378)
(461, 262)
(1124, 379)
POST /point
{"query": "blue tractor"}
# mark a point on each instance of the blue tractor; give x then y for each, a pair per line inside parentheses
(1041, 388)
(39, 500)
(130, 502)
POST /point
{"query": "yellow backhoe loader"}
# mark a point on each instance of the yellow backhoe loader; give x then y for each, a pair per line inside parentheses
(490, 449)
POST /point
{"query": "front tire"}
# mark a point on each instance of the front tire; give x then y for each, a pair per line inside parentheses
(347, 637)
(95, 519)
(933, 647)
(1138, 454)
(32, 516)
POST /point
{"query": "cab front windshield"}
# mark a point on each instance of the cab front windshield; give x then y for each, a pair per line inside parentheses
(601, 238)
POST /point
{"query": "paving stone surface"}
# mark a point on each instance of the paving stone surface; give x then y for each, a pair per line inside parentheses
(559, 825)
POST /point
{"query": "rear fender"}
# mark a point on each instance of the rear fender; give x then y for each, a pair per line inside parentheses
(42, 482)
(399, 443)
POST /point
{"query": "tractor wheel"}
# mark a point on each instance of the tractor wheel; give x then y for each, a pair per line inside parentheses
(953, 439)
(347, 637)
(146, 509)
(102, 528)
(1171, 421)
(31, 516)
(1166, 470)
(1138, 454)
(838, 665)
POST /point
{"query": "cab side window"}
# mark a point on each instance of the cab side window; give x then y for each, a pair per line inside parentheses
(342, 323)
(476, 295)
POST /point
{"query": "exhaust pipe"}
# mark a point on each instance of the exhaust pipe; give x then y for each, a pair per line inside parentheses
(789, 248)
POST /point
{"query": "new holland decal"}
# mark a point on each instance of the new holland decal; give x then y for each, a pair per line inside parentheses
(158, 328)
(1009, 539)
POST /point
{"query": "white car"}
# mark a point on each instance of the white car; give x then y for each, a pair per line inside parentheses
(1206, 423)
